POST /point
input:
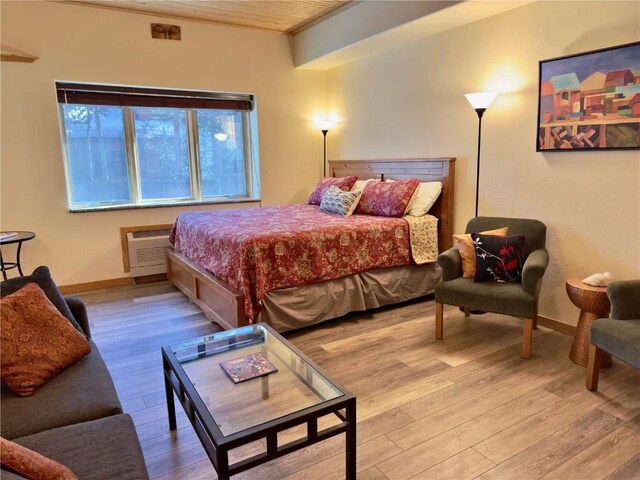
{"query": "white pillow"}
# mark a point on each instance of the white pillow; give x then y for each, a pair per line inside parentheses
(335, 200)
(360, 184)
(426, 196)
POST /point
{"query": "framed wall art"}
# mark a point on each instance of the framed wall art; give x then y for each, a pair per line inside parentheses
(590, 101)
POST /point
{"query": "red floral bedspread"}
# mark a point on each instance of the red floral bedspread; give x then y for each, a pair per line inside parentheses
(257, 250)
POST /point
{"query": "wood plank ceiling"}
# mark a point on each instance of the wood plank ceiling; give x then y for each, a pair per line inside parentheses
(286, 16)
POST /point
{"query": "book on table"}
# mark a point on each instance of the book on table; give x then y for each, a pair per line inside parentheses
(248, 367)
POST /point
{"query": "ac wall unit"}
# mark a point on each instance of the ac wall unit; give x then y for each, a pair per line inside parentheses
(146, 251)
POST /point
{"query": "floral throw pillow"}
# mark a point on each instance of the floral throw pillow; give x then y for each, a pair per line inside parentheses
(464, 244)
(337, 201)
(29, 464)
(343, 183)
(38, 342)
(387, 199)
(498, 259)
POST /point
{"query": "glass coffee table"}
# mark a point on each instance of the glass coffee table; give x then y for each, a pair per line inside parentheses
(226, 415)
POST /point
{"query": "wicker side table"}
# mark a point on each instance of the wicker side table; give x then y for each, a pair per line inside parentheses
(593, 303)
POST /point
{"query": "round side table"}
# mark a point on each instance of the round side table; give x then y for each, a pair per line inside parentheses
(18, 238)
(593, 303)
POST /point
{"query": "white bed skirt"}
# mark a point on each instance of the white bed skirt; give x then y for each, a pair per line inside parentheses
(297, 307)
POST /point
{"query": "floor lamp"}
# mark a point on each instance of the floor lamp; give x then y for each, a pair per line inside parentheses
(324, 126)
(480, 102)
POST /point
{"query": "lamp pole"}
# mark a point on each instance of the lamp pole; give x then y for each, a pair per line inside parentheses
(480, 112)
(324, 155)
(324, 125)
(480, 101)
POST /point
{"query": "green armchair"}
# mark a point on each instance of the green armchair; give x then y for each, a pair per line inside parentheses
(618, 335)
(518, 299)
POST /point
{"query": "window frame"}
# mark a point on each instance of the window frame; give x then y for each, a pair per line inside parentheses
(251, 158)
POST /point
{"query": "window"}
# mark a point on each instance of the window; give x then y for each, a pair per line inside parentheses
(127, 146)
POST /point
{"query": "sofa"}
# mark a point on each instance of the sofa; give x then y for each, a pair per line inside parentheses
(76, 418)
(618, 335)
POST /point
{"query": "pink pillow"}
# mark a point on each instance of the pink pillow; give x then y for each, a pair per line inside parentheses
(387, 199)
(343, 183)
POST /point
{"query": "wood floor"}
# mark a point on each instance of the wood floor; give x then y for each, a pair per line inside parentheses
(462, 408)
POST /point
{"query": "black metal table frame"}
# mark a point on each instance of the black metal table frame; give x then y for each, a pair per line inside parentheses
(4, 266)
(217, 446)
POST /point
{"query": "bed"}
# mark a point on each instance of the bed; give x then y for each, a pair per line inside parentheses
(291, 307)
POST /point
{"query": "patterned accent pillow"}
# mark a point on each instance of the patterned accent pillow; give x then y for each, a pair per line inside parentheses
(29, 464)
(498, 259)
(337, 201)
(343, 183)
(387, 199)
(38, 342)
(464, 244)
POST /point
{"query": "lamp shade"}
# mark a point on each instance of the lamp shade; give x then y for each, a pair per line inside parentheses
(324, 124)
(481, 99)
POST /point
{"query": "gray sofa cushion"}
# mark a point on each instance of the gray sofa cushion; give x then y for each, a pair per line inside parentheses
(535, 231)
(41, 277)
(10, 476)
(621, 338)
(507, 298)
(625, 299)
(79, 312)
(106, 448)
(82, 392)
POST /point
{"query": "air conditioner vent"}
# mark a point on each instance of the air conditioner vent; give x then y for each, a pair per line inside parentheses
(149, 255)
(164, 232)
(146, 251)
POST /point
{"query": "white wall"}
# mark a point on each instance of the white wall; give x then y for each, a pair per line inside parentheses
(408, 102)
(98, 45)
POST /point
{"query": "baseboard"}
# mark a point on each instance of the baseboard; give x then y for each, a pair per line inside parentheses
(110, 282)
(97, 285)
(556, 325)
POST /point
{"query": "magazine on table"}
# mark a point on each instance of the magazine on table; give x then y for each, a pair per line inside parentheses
(248, 367)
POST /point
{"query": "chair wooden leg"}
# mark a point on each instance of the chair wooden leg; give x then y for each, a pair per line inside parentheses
(526, 341)
(439, 311)
(467, 311)
(535, 323)
(593, 367)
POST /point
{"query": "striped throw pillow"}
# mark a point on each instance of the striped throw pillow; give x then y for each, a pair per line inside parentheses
(336, 201)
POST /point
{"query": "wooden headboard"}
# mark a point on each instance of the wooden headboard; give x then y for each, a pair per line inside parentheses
(424, 169)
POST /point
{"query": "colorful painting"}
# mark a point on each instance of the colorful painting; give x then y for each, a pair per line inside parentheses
(590, 101)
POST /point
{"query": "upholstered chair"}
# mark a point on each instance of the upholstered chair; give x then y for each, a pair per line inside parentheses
(618, 335)
(518, 299)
